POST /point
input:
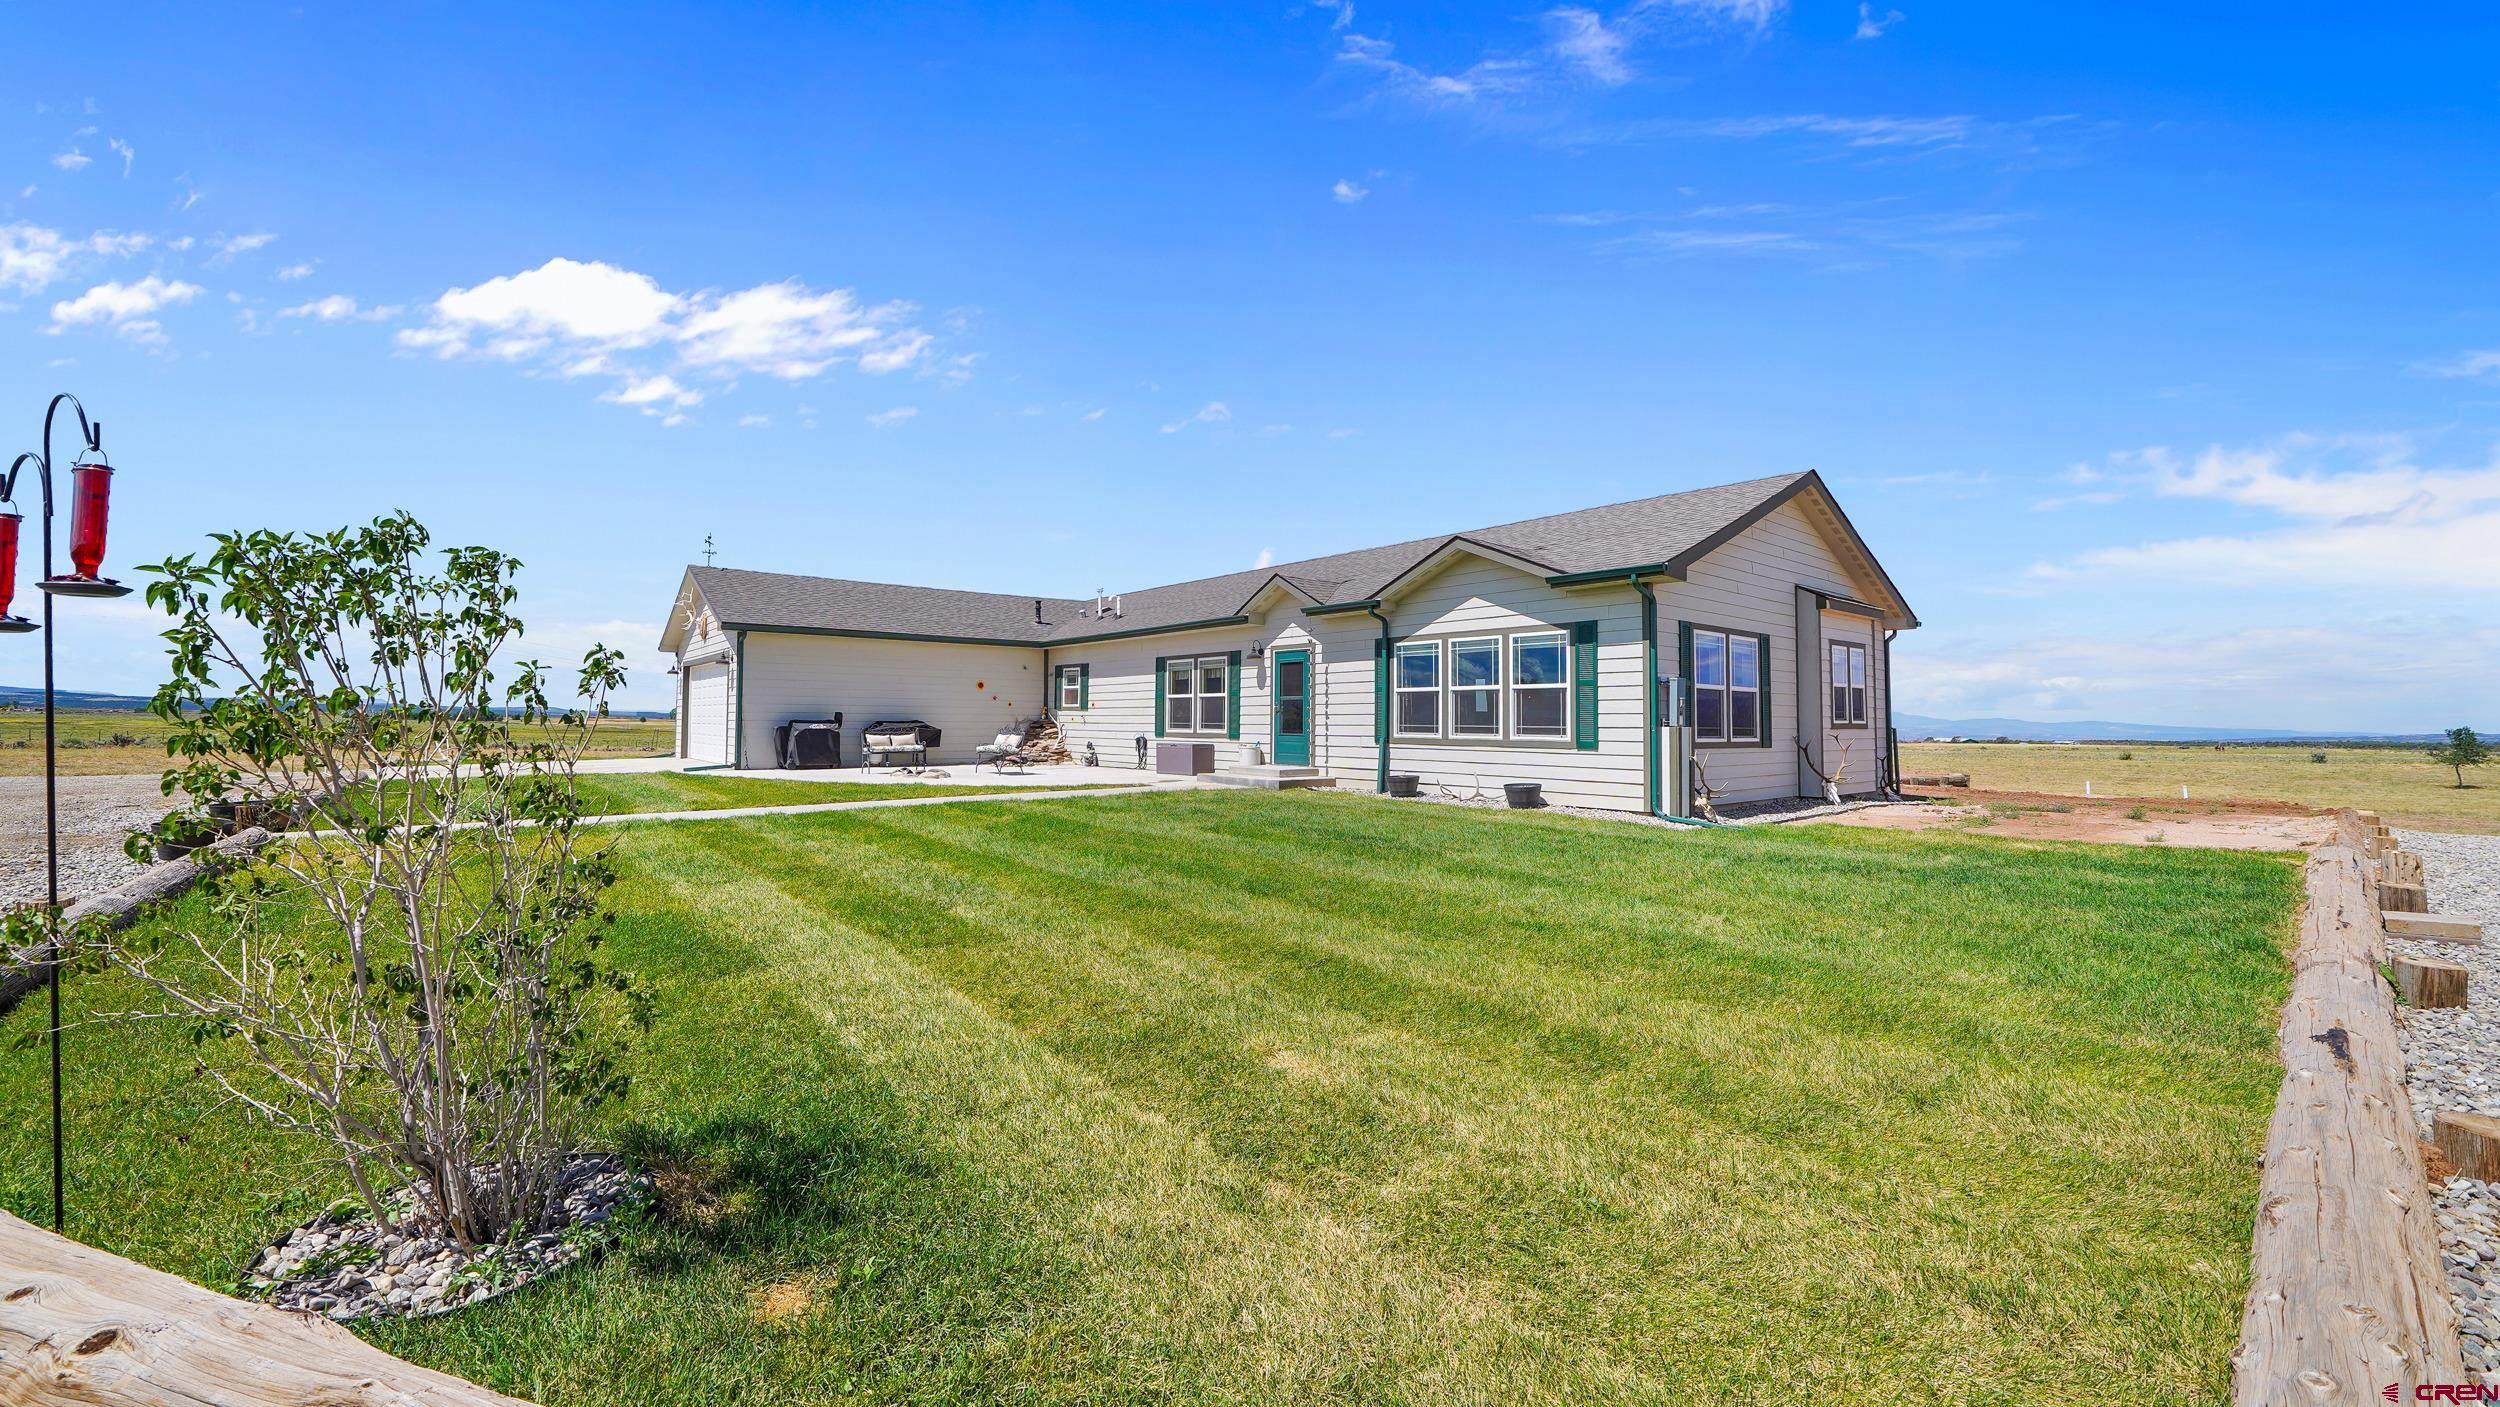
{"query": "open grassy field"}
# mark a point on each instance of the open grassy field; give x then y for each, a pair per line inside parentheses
(1301, 1098)
(102, 742)
(2401, 784)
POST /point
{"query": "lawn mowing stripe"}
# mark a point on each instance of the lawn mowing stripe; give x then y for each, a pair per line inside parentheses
(915, 823)
(992, 1075)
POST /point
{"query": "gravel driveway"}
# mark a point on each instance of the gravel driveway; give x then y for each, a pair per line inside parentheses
(2452, 1061)
(96, 812)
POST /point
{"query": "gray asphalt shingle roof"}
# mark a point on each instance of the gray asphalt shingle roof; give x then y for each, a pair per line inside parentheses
(1669, 530)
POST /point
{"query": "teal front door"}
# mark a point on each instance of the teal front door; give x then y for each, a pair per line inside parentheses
(1292, 679)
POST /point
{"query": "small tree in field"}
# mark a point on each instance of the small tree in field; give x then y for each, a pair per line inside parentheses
(2464, 748)
(414, 978)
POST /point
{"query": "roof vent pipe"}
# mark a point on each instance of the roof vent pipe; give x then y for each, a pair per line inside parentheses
(1115, 606)
(1037, 610)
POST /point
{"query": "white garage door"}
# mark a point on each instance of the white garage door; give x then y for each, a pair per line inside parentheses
(707, 713)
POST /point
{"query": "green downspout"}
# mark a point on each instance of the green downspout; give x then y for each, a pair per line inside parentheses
(1649, 710)
(1388, 723)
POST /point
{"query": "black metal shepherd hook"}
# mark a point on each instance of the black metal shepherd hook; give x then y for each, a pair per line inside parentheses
(91, 489)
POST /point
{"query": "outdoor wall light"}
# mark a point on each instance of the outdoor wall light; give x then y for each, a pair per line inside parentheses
(1258, 649)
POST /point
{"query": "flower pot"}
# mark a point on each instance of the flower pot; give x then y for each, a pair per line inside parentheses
(1524, 795)
(1404, 784)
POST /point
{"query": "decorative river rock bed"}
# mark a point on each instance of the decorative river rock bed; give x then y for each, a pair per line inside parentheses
(344, 1266)
(2452, 1061)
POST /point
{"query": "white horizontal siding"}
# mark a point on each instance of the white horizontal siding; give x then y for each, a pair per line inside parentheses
(1120, 705)
(971, 692)
(1750, 584)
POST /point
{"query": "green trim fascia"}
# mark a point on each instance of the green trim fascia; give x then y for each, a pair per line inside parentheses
(1340, 608)
(1607, 574)
(888, 635)
(1585, 694)
(1057, 641)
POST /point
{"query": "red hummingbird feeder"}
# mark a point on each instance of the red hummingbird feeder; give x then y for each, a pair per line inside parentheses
(91, 496)
(9, 525)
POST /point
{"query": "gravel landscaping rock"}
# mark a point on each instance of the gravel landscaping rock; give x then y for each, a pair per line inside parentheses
(2452, 1061)
(96, 813)
(344, 1266)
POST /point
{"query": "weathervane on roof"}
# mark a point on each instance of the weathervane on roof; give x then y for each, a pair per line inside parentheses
(709, 551)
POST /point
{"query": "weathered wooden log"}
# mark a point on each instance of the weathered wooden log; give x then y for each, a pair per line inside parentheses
(80, 1326)
(2403, 898)
(2346, 1293)
(2434, 928)
(2470, 1143)
(1938, 779)
(2429, 982)
(25, 971)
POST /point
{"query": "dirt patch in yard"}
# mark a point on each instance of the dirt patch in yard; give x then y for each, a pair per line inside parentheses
(2209, 825)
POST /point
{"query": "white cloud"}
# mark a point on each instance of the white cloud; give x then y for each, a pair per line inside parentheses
(1348, 193)
(590, 302)
(1872, 25)
(2398, 671)
(1267, 558)
(128, 154)
(1340, 12)
(884, 418)
(2359, 513)
(125, 307)
(596, 316)
(1093, 415)
(751, 422)
(73, 160)
(293, 272)
(1212, 413)
(1584, 40)
(2483, 365)
(32, 257)
(338, 307)
(227, 248)
(653, 393)
(1487, 77)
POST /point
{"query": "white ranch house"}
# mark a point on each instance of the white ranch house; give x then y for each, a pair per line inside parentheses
(1520, 653)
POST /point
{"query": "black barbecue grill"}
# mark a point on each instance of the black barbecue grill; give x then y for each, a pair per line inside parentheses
(897, 738)
(808, 742)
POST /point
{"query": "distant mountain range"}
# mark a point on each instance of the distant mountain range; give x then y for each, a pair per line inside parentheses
(12, 695)
(1914, 725)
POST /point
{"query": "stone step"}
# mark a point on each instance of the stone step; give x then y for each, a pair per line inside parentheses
(1271, 778)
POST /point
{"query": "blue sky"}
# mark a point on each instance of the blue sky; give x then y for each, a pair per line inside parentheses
(2158, 353)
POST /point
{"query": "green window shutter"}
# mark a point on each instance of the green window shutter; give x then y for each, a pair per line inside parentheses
(1232, 695)
(1764, 693)
(1584, 684)
(1684, 649)
(1159, 659)
(1380, 690)
(1084, 686)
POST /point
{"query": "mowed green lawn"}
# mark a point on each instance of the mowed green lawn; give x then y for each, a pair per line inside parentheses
(1300, 1098)
(2400, 783)
(639, 793)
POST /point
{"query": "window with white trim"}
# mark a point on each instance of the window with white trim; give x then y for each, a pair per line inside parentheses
(1194, 694)
(1071, 686)
(1417, 685)
(1540, 685)
(1727, 686)
(1476, 687)
(1848, 685)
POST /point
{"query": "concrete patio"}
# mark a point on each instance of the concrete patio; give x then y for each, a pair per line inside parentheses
(949, 775)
